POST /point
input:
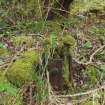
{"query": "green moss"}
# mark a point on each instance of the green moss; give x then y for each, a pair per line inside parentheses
(23, 69)
(3, 52)
(80, 6)
(33, 6)
(92, 76)
(90, 103)
(69, 40)
(66, 72)
(22, 39)
(61, 41)
(31, 56)
(54, 26)
(68, 44)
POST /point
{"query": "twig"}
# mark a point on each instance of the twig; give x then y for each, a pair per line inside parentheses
(82, 93)
(91, 57)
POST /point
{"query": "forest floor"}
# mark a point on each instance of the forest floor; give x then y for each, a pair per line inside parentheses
(88, 60)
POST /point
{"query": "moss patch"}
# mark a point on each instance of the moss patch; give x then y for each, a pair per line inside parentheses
(3, 52)
(21, 40)
(23, 69)
(81, 6)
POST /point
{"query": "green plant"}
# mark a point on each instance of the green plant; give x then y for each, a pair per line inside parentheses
(7, 87)
(92, 76)
(21, 40)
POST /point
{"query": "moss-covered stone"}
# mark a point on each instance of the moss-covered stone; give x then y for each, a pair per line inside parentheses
(23, 39)
(23, 69)
(1, 51)
(60, 41)
(69, 40)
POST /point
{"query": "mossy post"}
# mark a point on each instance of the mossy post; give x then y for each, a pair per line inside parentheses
(68, 44)
(62, 51)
